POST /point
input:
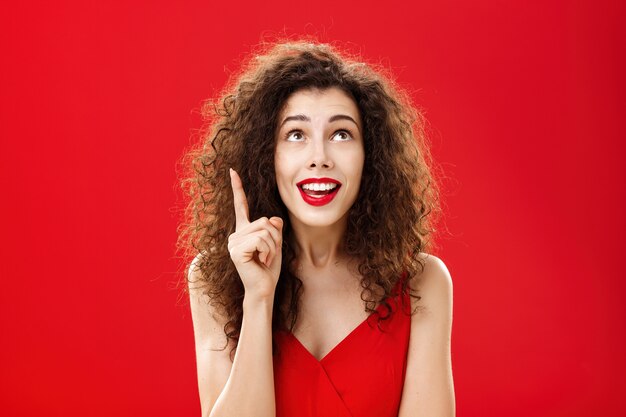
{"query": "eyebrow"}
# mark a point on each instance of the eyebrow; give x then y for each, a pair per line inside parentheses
(305, 118)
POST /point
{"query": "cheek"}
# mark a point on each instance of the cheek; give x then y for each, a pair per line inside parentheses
(282, 170)
(353, 162)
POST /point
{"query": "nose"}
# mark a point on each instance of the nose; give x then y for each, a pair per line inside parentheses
(320, 157)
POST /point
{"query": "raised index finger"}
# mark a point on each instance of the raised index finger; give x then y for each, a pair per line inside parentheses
(239, 199)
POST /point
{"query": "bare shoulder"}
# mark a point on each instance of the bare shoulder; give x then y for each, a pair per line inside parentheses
(211, 344)
(434, 284)
(428, 385)
(208, 323)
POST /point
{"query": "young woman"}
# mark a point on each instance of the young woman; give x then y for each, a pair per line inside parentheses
(312, 202)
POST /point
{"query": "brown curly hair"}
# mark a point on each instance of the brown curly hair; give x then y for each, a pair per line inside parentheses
(391, 221)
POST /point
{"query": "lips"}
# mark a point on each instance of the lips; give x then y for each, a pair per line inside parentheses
(318, 191)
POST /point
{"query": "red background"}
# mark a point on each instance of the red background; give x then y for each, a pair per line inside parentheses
(99, 101)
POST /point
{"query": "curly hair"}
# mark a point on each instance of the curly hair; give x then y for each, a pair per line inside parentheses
(390, 223)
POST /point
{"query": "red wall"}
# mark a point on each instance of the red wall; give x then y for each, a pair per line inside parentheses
(99, 100)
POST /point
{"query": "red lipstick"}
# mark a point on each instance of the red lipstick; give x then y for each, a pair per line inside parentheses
(318, 198)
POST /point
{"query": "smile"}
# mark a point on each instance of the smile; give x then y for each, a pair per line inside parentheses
(318, 191)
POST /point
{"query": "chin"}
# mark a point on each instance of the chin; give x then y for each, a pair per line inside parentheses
(319, 219)
(321, 223)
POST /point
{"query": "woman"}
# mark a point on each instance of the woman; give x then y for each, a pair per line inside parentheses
(311, 292)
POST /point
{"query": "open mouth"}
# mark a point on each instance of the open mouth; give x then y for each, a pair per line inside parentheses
(318, 192)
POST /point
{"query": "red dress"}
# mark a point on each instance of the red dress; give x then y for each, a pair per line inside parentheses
(362, 376)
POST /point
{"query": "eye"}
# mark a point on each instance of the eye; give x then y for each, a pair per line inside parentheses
(342, 135)
(294, 136)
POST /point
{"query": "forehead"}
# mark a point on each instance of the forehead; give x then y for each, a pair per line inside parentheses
(322, 101)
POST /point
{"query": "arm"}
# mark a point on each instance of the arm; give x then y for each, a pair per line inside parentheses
(428, 385)
(244, 387)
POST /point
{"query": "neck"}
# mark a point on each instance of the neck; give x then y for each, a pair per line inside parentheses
(319, 247)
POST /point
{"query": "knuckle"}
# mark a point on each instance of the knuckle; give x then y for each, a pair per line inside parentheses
(233, 238)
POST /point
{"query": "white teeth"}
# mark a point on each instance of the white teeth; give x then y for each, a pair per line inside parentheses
(315, 186)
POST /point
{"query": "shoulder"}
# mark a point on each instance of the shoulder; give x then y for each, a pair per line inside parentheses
(433, 316)
(434, 284)
(212, 356)
(194, 273)
(208, 324)
(428, 386)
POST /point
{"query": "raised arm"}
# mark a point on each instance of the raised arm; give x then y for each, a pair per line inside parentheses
(244, 387)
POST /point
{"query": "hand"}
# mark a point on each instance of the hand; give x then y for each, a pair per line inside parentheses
(255, 248)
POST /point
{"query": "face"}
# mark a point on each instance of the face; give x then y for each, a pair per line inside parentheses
(319, 156)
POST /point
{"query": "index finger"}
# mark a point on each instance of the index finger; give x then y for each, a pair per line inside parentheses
(239, 200)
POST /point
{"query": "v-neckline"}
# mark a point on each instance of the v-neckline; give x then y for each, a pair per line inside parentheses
(342, 341)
